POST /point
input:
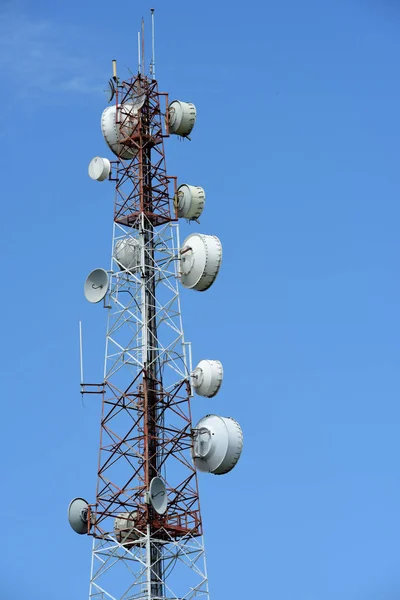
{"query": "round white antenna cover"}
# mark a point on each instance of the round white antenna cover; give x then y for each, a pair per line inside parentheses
(127, 254)
(201, 257)
(116, 133)
(158, 495)
(181, 117)
(125, 527)
(96, 286)
(217, 444)
(78, 515)
(190, 201)
(99, 168)
(207, 378)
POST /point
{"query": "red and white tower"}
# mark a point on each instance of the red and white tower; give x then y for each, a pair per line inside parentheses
(145, 521)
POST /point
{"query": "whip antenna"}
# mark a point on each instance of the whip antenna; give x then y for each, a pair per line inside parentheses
(153, 54)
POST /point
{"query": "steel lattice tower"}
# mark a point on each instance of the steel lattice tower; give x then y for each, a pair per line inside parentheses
(140, 553)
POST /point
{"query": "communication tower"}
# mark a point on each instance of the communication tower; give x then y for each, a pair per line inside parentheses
(145, 521)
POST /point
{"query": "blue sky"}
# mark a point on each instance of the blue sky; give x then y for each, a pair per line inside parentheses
(297, 147)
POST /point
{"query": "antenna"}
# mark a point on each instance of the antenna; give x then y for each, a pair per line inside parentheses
(153, 54)
(158, 495)
(143, 60)
(217, 444)
(80, 350)
(78, 515)
(96, 286)
(200, 259)
(207, 378)
(189, 201)
(138, 51)
(99, 168)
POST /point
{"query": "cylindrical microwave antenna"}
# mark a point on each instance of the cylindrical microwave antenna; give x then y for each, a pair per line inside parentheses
(127, 254)
(217, 444)
(190, 200)
(201, 257)
(207, 378)
(117, 126)
(99, 168)
(181, 117)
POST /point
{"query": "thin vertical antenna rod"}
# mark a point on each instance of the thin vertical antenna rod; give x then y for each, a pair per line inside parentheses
(143, 60)
(80, 350)
(153, 54)
(138, 52)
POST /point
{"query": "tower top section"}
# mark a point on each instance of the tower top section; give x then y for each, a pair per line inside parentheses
(142, 71)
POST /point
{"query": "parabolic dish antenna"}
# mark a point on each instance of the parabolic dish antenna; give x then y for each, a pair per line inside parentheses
(78, 515)
(96, 286)
(181, 117)
(111, 90)
(117, 134)
(201, 257)
(138, 96)
(158, 495)
(99, 168)
(207, 377)
(127, 254)
(190, 201)
(217, 444)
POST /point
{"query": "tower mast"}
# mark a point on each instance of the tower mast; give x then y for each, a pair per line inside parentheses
(152, 375)
(146, 522)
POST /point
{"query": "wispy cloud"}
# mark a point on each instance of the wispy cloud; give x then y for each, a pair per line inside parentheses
(40, 56)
